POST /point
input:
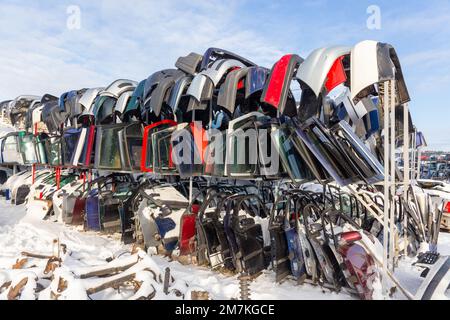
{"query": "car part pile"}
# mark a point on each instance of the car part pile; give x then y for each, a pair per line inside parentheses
(221, 162)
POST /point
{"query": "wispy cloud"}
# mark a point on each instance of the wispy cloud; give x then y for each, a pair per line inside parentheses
(117, 39)
(134, 38)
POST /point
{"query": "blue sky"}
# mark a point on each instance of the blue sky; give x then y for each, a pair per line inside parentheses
(132, 39)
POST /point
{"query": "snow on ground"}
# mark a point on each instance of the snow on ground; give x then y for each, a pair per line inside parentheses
(407, 274)
(20, 231)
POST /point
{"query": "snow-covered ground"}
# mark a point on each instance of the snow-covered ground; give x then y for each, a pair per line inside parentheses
(88, 251)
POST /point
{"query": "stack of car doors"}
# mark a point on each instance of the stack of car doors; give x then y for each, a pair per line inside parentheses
(356, 264)
(221, 116)
(83, 155)
(158, 216)
(53, 150)
(11, 149)
(69, 104)
(69, 146)
(111, 102)
(188, 146)
(69, 202)
(152, 150)
(230, 233)
(53, 115)
(19, 108)
(325, 141)
(250, 150)
(106, 206)
(316, 242)
(244, 235)
(118, 147)
(216, 95)
(27, 147)
(296, 159)
(163, 96)
(212, 246)
(43, 190)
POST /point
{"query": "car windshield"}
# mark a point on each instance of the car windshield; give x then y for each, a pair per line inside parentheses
(70, 140)
(243, 153)
(11, 150)
(290, 157)
(11, 144)
(215, 155)
(53, 151)
(162, 151)
(133, 135)
(88, 146)
(329, 155)
(40, 145)
(28, 149)
(103, 109)
(368, 166)
(149, 147)
(190, 164)
(133, 103)
(109, 149)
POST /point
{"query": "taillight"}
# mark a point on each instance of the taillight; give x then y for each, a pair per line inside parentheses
(447, 207)
(41, 195)
(195, 208)
(349, 237)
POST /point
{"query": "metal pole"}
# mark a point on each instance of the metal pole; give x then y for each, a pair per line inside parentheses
(392, 238)
(406, 172)
(190, 189)
(419, 155)
(191, 178)
(33, 167)
(386, 186)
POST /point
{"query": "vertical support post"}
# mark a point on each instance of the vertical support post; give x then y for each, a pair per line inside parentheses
(392, 238)
(33, 166)
(386, 186)
(190, 189)
(33, 173)
(406, 172)
(191, 179)
(419, 155)
(58, 177)
(84, 181)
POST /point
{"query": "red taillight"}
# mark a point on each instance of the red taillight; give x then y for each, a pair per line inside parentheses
(447, 207)
(41, 195)
(195, 208)
(350, 237)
